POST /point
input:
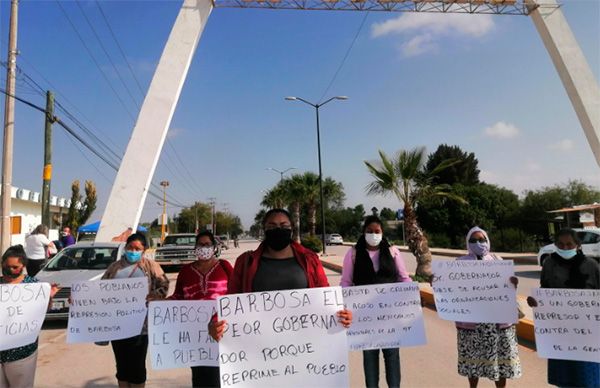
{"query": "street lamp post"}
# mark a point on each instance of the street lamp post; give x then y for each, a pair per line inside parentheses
(317, 106)
(164, 184)
(281, 172)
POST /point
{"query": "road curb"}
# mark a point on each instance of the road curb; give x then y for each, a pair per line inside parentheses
(525, 329)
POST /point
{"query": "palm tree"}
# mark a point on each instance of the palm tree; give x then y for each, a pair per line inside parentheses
(275, 198)
(405, 177)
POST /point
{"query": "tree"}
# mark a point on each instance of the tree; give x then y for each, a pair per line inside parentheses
(464, 171)
(490, 207)
(387, 214)
(536, 204)
(187, 218)
(79, 212)
(404, 176)
(346, 222)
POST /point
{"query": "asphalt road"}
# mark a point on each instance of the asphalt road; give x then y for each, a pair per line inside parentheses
(432, 365)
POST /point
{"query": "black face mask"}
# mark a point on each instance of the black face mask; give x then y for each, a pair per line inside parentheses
(9, 274)
(278, 238)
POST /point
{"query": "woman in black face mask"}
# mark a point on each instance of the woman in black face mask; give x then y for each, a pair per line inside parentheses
(17, 365)
(277, 264)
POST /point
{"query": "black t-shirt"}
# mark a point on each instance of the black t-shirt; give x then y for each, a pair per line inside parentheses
(279, 274)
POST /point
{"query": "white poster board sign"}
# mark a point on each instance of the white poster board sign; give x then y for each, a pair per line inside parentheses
(385, 316)
(475, 290)
(567, 324)
(106, 310)
(178, 334)
(22, 310)
(286, 339)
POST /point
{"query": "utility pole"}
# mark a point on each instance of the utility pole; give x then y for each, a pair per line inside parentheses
(9, 125)
(164, 184)
(213, 215)
(47, 175)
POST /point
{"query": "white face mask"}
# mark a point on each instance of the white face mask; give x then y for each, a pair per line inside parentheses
(373, 239)
(205, 253)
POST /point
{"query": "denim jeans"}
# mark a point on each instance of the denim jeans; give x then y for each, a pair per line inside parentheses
(391, 358)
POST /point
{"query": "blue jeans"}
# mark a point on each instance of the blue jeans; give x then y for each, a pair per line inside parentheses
(391, 358)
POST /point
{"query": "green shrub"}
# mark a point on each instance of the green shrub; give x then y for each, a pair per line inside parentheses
(438, 240)
(313, 243)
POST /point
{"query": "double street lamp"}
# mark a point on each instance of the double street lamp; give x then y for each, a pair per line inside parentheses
(281, 172)
(317, 106)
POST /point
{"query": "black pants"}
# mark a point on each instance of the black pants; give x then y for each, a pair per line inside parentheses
(206, 376)
(130, 355)
(34, 266)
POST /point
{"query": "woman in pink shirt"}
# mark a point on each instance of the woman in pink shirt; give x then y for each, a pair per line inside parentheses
(372, 261)
(204, 279)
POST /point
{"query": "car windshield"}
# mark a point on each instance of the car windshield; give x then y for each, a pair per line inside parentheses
(83, 258)
(180, 240)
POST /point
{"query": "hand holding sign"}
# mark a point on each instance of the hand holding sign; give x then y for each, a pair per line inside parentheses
(22, 310)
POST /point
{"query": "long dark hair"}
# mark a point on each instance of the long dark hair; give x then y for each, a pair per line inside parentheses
(388, 272)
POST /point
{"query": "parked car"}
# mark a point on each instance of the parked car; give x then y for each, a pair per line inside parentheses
(590, 245)
(83, 261)
(176, 249)
(334, 239)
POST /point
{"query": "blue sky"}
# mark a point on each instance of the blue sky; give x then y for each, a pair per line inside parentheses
(484, 83)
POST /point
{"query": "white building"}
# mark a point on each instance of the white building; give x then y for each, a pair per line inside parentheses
(26, 213)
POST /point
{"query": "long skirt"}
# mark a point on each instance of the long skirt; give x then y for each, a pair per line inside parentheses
(489, 352)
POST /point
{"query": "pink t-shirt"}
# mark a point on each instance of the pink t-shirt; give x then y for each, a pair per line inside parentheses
(348, 267)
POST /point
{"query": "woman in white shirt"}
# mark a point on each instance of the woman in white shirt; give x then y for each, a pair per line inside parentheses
(36, 245)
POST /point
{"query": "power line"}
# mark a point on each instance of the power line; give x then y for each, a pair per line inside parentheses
(77, 122)
(95, 61)
(190, 177)
(114, 36)
(106, 53)
(70, 131)
(360, 27)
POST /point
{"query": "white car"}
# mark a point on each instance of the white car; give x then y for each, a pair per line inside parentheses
(83, 261)
(590, 245)
(334, 239)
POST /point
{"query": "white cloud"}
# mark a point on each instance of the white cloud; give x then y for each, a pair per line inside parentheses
(502, 130)
(418, 45)
(563, 145)
(429, 27)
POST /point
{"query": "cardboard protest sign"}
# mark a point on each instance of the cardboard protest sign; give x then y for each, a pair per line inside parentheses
(567, 324)
(385, 316)
(178, 334)
(288, 338)
(22, 310)
(475, 290)
(106, 310)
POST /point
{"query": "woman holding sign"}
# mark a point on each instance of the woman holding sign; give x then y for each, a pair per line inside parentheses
(130, 353)
(568, 267)
(17, 365)
(204, 279)
(486, 349)
(277, 264)
(371, 261)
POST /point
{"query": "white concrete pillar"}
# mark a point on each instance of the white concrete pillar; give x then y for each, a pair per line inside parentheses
(574, 71)
(131, 185)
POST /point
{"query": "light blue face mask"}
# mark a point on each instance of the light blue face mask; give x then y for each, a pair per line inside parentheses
(133, 256)
(566, 254)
